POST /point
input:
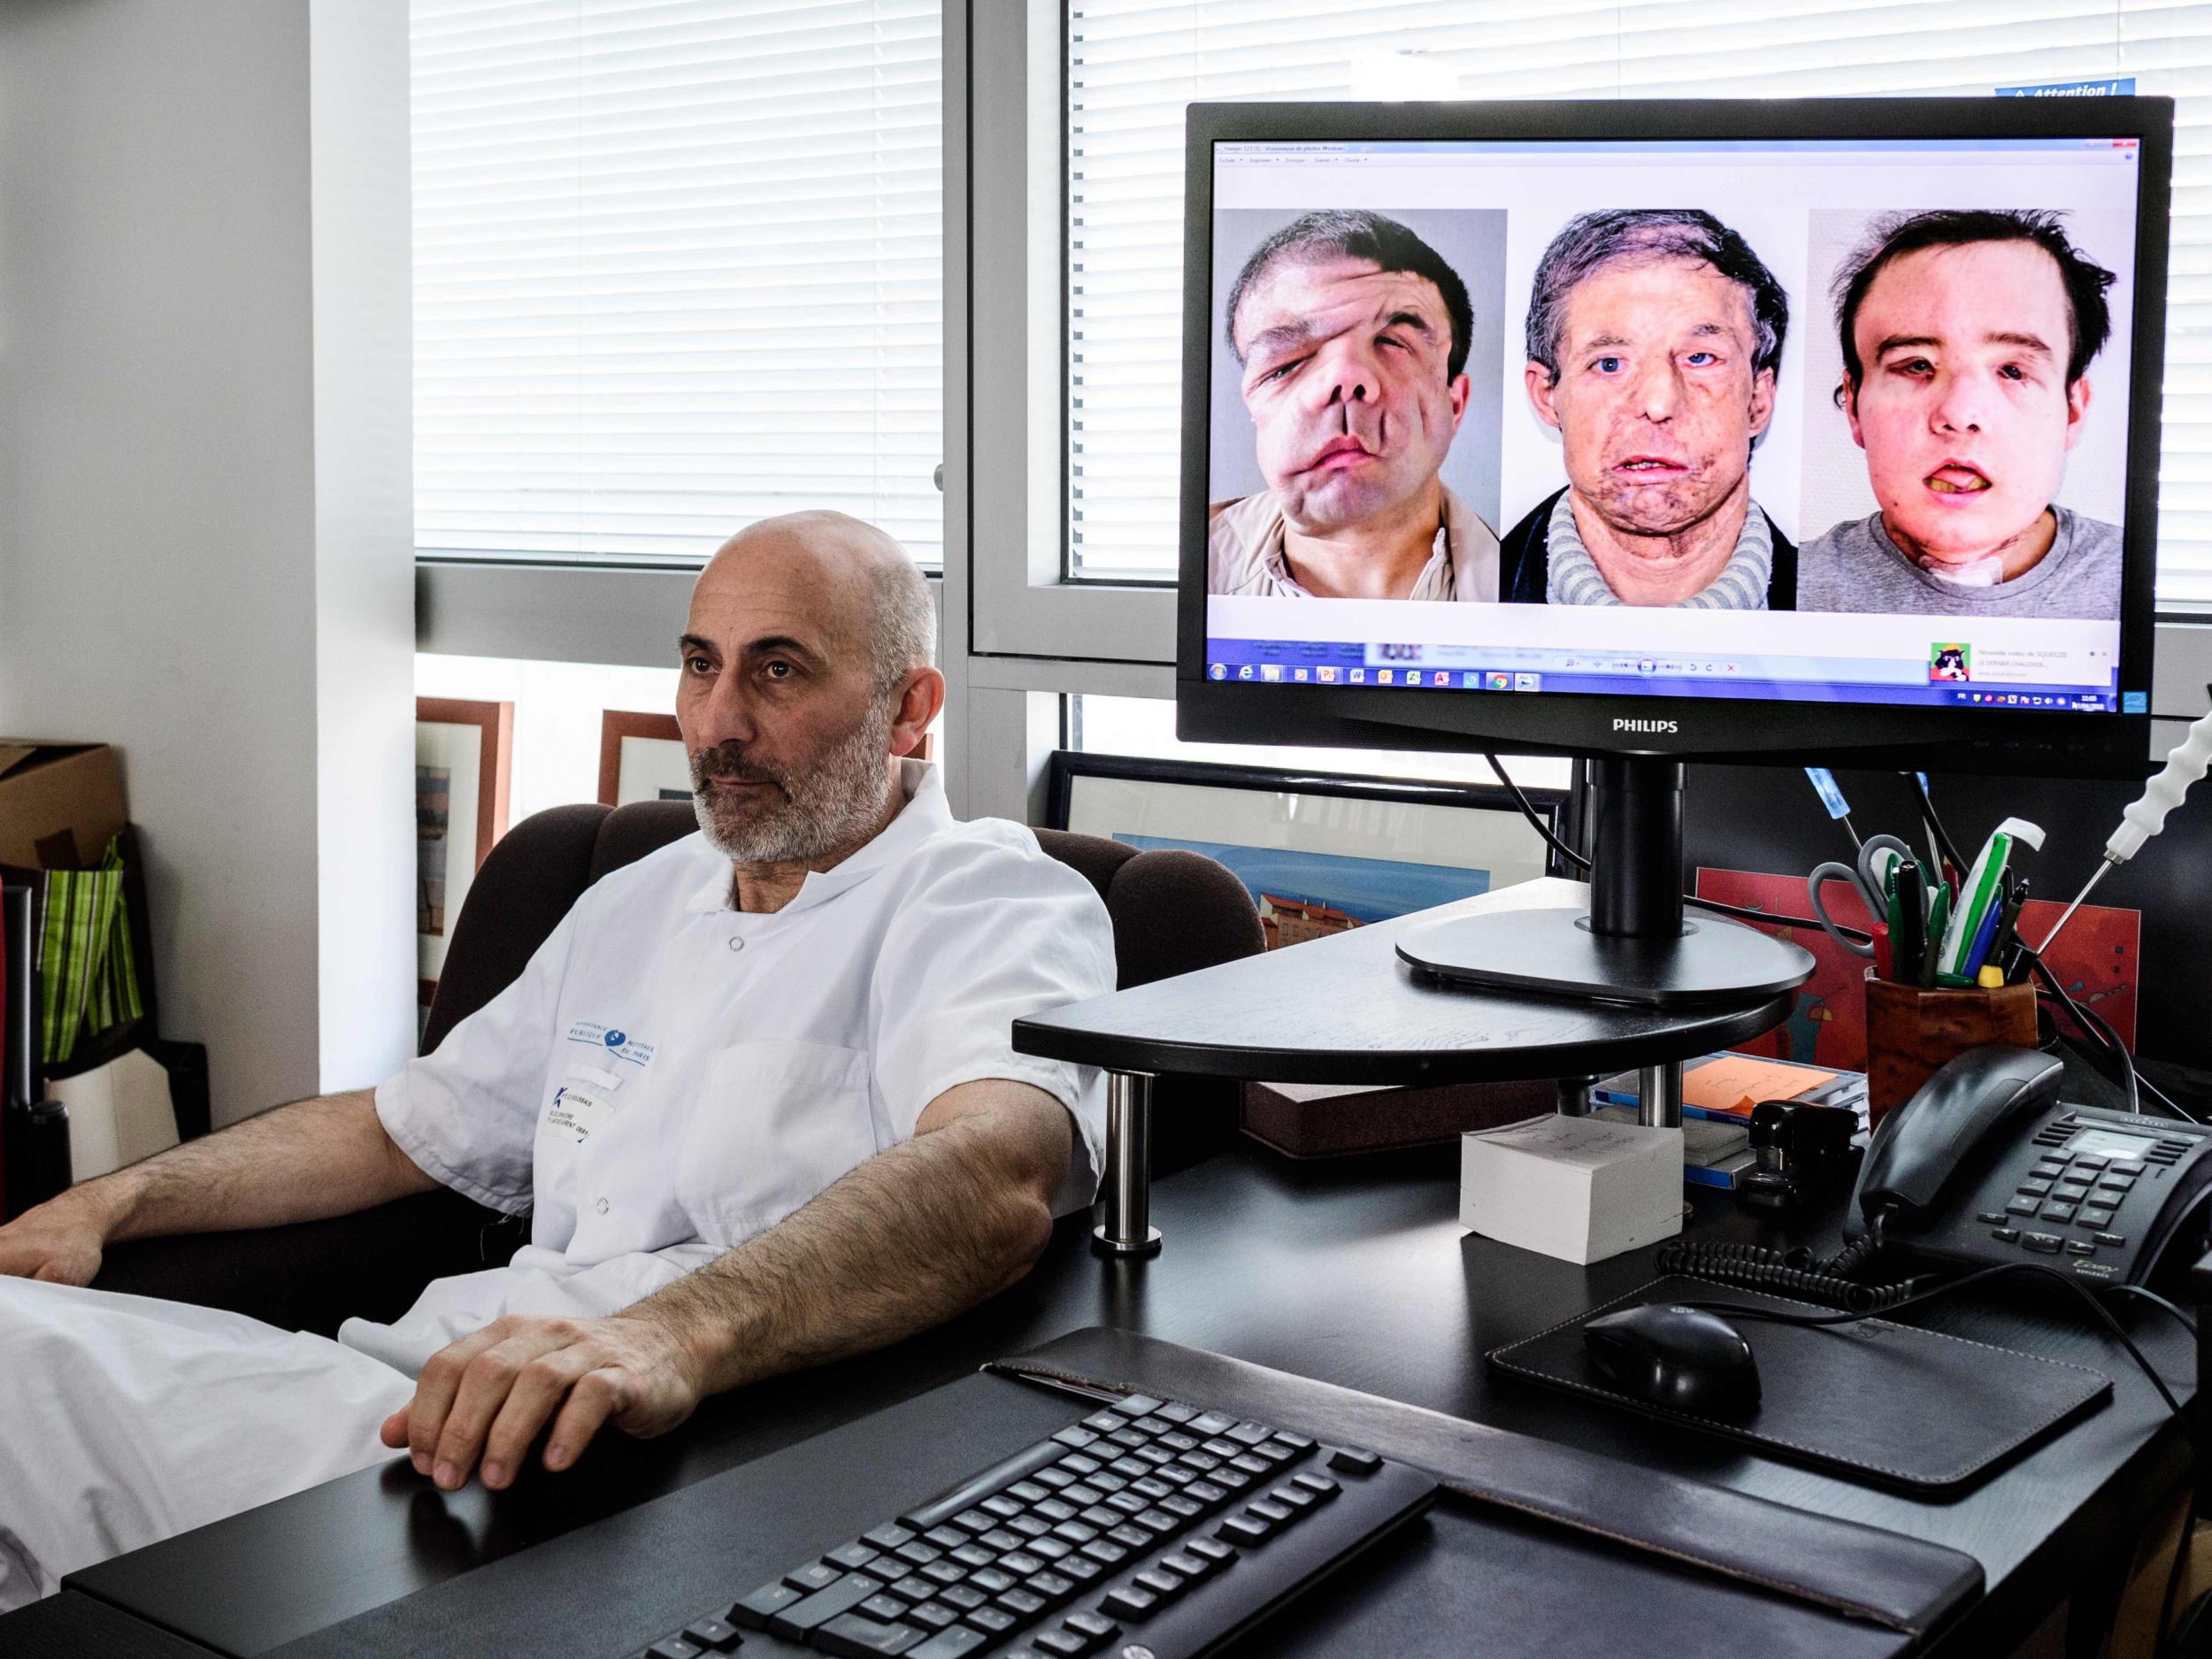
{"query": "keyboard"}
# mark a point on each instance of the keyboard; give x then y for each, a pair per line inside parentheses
(1152, 1529)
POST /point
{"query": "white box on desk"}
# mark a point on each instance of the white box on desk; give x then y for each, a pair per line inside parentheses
(1578, 1188)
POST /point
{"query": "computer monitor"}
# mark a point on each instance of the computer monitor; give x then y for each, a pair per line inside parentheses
(1645, 431)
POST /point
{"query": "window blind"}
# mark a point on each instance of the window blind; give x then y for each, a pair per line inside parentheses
(677, 267)
(1133, 64)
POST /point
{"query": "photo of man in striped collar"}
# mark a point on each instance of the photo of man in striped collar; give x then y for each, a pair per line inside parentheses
(1654, 338)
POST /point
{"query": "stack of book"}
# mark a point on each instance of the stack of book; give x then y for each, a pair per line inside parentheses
(1718, 1092)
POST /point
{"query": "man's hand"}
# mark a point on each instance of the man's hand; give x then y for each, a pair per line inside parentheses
(61, 1241)
(487, 1396)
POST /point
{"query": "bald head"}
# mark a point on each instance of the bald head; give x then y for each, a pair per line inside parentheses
(860, 587)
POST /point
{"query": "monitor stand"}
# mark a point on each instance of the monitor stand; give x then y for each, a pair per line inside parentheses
(1633, 944)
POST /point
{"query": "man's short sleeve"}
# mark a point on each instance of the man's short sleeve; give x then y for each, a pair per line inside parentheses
(992, 932)
(467, 1114)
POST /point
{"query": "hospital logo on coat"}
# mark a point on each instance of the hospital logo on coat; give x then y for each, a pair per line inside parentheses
(613, 1038)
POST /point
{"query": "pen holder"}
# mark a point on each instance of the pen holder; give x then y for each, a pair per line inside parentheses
(1910, 1032)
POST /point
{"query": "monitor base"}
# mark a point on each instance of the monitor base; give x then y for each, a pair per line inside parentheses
(1554, 952)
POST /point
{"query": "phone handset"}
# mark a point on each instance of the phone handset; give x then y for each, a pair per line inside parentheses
(1916, 1156)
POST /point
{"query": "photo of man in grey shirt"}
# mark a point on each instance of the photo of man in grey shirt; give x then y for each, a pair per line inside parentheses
(1967, 336)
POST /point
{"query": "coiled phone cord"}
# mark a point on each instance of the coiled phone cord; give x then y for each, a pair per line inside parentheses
(1832, 1283)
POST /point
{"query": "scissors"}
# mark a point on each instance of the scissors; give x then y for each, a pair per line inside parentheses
(1879, 857)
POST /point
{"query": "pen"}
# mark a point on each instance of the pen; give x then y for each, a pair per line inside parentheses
(1982, 891)
(2008, 921)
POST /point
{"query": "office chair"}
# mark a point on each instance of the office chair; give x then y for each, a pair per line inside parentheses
(1172, 912)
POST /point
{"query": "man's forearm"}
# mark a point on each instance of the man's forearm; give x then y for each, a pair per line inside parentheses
(913, 1236)
(311, 1159)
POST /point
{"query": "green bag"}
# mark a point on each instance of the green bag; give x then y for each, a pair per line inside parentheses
(87, 967)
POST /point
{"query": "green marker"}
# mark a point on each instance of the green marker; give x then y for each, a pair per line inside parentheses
(1981, 892)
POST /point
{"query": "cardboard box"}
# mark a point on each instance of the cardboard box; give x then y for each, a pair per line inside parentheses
(1321, 1120)
(1578, 1188)
(59, 803)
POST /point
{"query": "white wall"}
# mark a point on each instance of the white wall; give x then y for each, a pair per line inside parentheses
(205, 546)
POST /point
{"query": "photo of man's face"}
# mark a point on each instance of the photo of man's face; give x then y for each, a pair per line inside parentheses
(1346, 375)
(1657, 400)
(1962, 405)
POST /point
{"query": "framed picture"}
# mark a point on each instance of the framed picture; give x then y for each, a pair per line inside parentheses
(1319, 853)
(641, 759)
(463, 757)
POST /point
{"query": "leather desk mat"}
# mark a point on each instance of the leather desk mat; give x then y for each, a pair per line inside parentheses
(1534, 1587)
(1828, 1397)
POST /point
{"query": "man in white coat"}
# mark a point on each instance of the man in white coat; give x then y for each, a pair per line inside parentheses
(755, 1090)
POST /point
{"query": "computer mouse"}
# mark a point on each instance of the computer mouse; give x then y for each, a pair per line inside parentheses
(1679, 1359)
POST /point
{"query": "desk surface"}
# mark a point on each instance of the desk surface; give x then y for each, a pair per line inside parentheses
(1344, 1009)
(1355, 1273)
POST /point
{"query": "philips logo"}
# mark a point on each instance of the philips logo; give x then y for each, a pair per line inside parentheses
(1645, 726)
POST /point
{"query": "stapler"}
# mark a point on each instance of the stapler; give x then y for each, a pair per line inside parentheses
(1797, 1150)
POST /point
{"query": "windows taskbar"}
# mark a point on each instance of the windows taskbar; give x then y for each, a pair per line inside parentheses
(1946, 691)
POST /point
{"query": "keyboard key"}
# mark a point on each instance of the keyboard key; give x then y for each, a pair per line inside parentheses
(1296, 1497)
(1022, 1604)
(992, 1581)
(1273, 1513)
(999, 1475)
(2074, 1192)
(1211, 1422)
(1076, 1532)
(1151, 1488)
(1048, 1549)
(956, 1643)
(1000, 1540)
(932, 1615)
(1128, 1502)
(886, 1608)
(1188, 1508)
(1189, 1566)
(755, 1610)
(716, 1634)
(1165, 1585)
(974, 1521)
(1160, 1521)
(1138, 1406)
(1249, 1434)
(1252, 1463)
(1054, 1478)
(855, 1638)
(1061, 1644)
(1003, 1504)
(1104, 1422)
(994, 1618)
(946, 1572)
(1212, 1548)
(1354, 1459)
(1221, 1447)
(1319, 1485)
(888, 1536)
(2044, 1243)
(1082, 1569)
(673, 1648)
(1206, 1492)
(1129, 1602)
(914, 1553)
(1054, 1509)
(852, 1555)
(1178, 1442)
(1155, 1454)
(1080, 1466)
(815, 1575)
(1055, 1587)
(1243, 1529)
(1101, 1516)
(1175, 1411)
(966, 1597)
(1130, 1468)
(819, 1609)
(1230, 1477)
(1092, 1627)
(1022, 1562)
(973, 1556)
(1130, 1533)
(2023, 1206)
(1105, 1552)
(1073, 1436)
(1106, 1480)
(913, 1588)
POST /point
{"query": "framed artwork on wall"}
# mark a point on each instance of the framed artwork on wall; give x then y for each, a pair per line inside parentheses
(1319, 853)
(641, 759)
(464, 753)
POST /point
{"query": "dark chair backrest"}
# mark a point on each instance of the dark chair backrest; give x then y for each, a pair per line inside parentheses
(1172, 912)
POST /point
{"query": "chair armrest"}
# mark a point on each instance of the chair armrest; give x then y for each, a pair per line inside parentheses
(315, 1275)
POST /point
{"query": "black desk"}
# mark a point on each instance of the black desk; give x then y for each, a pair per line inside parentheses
(1355, 1274)
(1344, 1009)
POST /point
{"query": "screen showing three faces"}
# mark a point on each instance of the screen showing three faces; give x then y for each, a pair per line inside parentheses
(1833, 420)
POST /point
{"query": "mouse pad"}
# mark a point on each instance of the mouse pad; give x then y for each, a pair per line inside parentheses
(1828, 1397)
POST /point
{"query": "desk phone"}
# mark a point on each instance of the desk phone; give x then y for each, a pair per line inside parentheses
(1986, 1165)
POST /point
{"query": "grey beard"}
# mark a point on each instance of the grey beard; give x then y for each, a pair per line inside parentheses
(832, 806)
